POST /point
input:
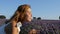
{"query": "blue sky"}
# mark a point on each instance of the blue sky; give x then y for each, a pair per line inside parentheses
(46, 9)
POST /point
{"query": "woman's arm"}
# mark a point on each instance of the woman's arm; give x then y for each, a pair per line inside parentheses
(14, 28)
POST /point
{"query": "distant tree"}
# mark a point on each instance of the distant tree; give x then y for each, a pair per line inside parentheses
(34, 17)
(59, 17)
(39, 18)
(2, 17)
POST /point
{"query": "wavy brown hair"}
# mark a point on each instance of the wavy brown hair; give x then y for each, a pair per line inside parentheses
(19, 15)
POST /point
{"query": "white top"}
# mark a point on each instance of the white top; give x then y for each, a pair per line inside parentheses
(18, 26)
(3, 26)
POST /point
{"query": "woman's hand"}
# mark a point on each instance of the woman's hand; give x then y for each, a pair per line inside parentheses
(33, 31)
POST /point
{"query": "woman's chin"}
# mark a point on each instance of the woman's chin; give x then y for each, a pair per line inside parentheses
(29, 20)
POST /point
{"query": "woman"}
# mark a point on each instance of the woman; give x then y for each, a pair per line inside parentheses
(22, 14)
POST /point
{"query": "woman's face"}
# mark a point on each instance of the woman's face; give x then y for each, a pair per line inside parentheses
(28, 15)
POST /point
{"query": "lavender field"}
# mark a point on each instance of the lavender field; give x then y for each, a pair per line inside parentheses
(42, 27)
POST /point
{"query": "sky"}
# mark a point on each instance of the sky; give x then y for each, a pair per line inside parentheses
(46, 9)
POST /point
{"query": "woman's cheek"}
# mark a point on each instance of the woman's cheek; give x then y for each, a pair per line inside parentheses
(28, 19)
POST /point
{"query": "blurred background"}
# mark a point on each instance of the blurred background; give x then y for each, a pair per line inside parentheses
(46, 9)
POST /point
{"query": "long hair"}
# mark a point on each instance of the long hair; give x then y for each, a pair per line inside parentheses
(19, 15)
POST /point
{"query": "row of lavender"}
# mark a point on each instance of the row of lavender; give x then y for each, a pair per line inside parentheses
(43, 27)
